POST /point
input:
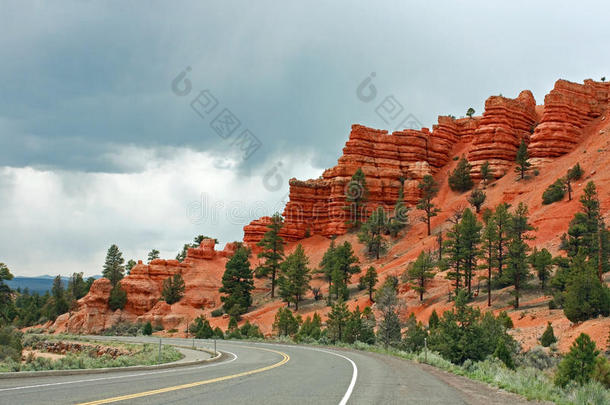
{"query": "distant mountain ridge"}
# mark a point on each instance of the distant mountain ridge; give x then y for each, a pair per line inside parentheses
(39, 284)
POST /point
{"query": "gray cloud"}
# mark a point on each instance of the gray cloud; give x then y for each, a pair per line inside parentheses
(85, 88)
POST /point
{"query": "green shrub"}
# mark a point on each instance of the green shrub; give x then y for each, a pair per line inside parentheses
(10, 344)
(217, 312)
(555, 192)
(147, 329)
(459, 179)
(124, 328)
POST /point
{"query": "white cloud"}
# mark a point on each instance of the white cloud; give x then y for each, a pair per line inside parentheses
(63, 221)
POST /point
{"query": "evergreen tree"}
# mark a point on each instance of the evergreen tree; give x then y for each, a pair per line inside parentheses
(541, 261)
(345, 263)
(311, 328)
(273, 251)
(548, 337)
(388, 331)
(504, 355)
(522, 160)
(237, 284)
(470, 239)
(419, 272)
(489, 255)
(77, 287)
(152, 255)
(502, 220)
(433, 321)
(356, 195)
(117, 298)
(476, 199)
(147, 329)
(579, 363)
(574, 173)
(517, 266)
(400, 219)
(415, 335)
(459, 179)
(113, 266)
(585, 296)
(429, 189)
(371, 233)
(327, 268)
(360, 327)
(59, 298)
(294, 281)
(130, 265)
(369, 280)
(337, 321)
(173, 289)
(470, 112)
(486, 173)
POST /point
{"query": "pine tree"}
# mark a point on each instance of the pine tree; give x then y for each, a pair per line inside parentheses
(470, 239)
(502, 219)
(476, 199)
(504, 355)
(486, 173)
(541, 261)
(327, 268)
(522, 160)
(489, 238)
(173, 289)
(59, 298)
(356, 195)
(345, 265)
(117, 298)
(555, 192)
(130, 265)
(237, 284)
(433, 320)
(429, 189)
(371, 233)
(419, 272)
(337, 321)
(400, 219)
(152, 255)
(579, 363)
(147, 329)
(273, 251)
(113, 267)
(369, 280)
(585, 296)
(388, 330)
(294, 281)
(517, 266)
(548, 337)
(470, 112)
(459, 179)
(574, 173)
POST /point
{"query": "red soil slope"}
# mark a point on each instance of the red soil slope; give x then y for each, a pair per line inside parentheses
(571, 127)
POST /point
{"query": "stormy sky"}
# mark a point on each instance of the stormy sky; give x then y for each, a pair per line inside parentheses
(146, 123)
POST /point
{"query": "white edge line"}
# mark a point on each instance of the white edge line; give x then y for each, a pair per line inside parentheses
(173, 370)
(352, 383)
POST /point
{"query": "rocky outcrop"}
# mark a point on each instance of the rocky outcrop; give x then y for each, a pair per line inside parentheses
(504, 124)
(202, 273)
(568, 109)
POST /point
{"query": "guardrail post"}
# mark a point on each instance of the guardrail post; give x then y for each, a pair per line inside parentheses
(159, 359)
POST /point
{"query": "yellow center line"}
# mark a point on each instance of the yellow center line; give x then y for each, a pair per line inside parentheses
(285, 359)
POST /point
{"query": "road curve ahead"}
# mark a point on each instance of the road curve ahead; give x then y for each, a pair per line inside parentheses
(251, 373)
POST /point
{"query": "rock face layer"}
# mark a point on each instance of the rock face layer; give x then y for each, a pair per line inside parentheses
(505, 123)
(568, 109)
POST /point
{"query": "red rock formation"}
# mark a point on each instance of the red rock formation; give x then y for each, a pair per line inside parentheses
(504, 124)
(568, 109)
(201, 270)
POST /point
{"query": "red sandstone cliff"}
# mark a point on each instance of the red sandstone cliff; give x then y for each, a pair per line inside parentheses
(572, 126)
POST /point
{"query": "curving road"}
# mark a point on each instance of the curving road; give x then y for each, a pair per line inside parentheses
(260, 373)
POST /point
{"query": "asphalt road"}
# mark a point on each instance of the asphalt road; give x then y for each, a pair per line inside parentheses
(257, 373)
